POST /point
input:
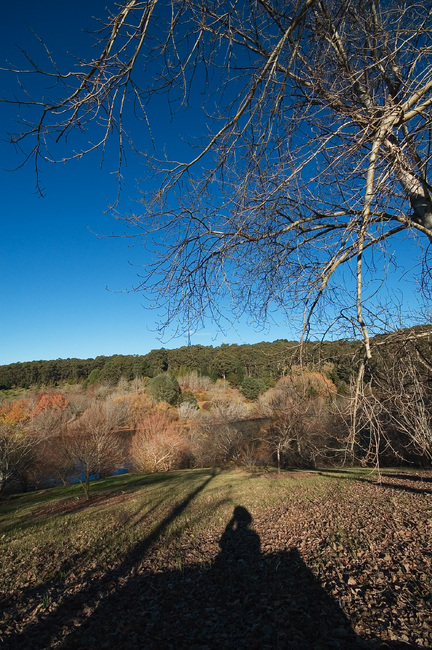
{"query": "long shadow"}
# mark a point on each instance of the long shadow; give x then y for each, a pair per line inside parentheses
(244, 599)
(405, 487)
(67, 505)
(410, 477)
(399, 487)
(51, 588)
(40, 634)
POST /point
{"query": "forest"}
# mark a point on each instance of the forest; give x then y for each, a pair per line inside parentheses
(277, 405)
(266, 361)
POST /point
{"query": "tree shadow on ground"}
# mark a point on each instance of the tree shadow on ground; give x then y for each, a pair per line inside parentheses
(404, 487)
(243, 599)
(401, 481)
(411, 477)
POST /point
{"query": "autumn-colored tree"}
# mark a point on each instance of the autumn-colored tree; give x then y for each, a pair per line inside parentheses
(158, 444)
(138, 406)
(16, 411)
(48, 401)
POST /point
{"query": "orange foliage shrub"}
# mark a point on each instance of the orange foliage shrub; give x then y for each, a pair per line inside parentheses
(47, 401)
(139, 406)
(17, 411)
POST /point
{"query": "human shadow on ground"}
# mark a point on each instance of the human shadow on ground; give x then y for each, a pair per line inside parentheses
(243, 599)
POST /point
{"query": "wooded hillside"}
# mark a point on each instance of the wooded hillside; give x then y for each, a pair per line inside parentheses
(267, 361)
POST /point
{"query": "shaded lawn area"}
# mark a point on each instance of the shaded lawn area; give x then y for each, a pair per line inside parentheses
(203, 559)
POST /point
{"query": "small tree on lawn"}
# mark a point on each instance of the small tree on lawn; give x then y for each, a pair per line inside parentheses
(92, 445)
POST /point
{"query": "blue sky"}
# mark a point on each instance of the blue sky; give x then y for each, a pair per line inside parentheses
(62, 287)
(54, 269)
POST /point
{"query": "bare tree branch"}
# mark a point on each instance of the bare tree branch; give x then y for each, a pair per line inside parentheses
(312, 156)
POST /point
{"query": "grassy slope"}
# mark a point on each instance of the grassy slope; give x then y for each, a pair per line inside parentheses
(344, 561)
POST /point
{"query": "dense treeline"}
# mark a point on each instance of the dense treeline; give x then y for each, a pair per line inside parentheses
(265, 361)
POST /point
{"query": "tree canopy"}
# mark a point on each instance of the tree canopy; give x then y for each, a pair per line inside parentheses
(309, 160)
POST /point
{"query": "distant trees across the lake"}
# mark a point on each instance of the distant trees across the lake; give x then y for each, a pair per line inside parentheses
(265, 361)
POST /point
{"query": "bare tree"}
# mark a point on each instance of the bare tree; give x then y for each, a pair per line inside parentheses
(313, 156)
(91, 445)
(392, 410)
(18, 450)
(222, 435)
(299, 407)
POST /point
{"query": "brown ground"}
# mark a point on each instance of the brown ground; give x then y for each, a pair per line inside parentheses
(350, 568)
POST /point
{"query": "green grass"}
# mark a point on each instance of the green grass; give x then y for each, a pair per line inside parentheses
(41, 532)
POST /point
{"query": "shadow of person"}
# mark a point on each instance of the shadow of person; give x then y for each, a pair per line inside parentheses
(270, 600)
(244, 599)
(240, 547)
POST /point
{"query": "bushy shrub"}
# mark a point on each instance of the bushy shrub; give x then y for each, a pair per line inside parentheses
(47, 401)
(252, 388)
(16, 411)
(164, 388)
(188, 397)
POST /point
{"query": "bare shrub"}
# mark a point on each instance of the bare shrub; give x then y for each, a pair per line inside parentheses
(299, 434)
(107, 416)
(72, 389)
(49, 422)
(158, 445)
(123, 387)
(101, 391)
(188, 411)
(79, 403)
(194, 382)
(215, 443)
(221, 434)
(228, 411)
